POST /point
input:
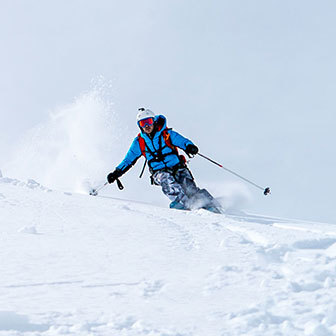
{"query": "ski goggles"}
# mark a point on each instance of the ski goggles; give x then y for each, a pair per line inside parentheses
(148, 121)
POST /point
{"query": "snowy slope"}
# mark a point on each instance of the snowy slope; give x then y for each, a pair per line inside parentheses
(72, 264)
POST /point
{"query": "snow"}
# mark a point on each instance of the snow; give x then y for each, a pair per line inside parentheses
(76, 141)
(73, 264)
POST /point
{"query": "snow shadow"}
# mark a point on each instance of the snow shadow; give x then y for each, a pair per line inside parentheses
(13, 321)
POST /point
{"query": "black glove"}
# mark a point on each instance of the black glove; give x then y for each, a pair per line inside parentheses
(114, 175)
(191, 149)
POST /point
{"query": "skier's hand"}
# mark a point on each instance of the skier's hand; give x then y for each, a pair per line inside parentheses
(191, 149)
(113, 176)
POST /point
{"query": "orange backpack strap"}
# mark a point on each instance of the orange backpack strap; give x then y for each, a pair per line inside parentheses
(167, 139)
(142, 145)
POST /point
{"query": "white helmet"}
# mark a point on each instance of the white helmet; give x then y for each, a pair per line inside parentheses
(144, 114)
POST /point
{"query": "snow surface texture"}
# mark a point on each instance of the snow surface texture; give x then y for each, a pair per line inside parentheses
(79, 265)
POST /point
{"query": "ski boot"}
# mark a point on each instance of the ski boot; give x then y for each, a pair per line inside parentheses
(177, 205)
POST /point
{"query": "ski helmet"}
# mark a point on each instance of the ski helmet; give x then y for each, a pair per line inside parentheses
(144, 114)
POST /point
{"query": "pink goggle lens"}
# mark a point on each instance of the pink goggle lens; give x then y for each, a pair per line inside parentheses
(147, 121)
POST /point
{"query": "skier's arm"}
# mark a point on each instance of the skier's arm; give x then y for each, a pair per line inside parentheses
(179, 140)
(183, 143)
(130, 159)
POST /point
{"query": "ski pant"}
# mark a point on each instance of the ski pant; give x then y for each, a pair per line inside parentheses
(179, 186)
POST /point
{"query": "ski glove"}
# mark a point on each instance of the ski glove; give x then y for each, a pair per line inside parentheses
(114, 175)
(191, 149)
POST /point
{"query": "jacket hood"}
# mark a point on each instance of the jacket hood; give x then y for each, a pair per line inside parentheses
(161, 123)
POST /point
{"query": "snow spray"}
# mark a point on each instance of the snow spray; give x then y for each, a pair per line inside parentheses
(74, 148)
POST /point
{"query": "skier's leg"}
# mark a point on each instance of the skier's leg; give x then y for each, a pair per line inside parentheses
(172, 189)
(198, 198)
(186, 180)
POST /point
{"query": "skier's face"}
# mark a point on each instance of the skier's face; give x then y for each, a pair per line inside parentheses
(148, 129)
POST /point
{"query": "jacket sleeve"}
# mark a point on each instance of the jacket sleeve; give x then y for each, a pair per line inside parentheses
(179, 140)
(131, 157)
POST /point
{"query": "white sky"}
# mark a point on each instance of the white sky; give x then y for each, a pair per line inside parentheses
(252, 83)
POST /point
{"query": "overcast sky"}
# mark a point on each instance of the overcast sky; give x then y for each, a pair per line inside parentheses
(252, 83)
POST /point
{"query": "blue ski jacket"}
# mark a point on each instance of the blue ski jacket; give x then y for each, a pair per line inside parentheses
(158, 154)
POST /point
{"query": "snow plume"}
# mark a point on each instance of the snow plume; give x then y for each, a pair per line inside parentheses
(233, 196)
(74, 147)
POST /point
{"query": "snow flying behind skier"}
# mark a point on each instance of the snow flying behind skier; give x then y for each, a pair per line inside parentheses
(158, 144)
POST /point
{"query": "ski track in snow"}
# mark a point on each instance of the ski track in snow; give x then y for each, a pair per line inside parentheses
(79, 265)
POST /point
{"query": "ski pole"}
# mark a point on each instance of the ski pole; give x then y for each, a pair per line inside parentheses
(266, 190)
(94, 192)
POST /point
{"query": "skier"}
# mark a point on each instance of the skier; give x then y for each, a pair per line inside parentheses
(158, 144)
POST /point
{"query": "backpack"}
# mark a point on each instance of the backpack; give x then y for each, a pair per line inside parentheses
(166, 137)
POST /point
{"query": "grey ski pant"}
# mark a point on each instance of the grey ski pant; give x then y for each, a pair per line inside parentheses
(181, 187)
